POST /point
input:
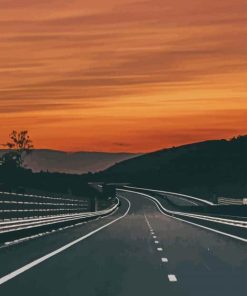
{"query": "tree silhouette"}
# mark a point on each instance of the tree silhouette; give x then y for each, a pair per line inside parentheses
(19, 145)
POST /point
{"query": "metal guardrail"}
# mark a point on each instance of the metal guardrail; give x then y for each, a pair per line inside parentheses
(232, 201)
(17, 205)
(14, 225)
(14, 230)
(189, 197)
(235, 222)
(233, 228)
(27, 214)
(40, 196)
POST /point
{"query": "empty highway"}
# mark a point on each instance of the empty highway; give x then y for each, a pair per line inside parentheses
(137, 250)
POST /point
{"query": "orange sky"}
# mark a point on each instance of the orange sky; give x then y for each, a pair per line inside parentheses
(126, 75)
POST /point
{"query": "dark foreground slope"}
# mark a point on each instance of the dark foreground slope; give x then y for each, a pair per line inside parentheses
(208, 169)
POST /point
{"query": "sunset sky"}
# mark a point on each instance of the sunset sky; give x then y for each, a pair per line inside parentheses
(122, 75)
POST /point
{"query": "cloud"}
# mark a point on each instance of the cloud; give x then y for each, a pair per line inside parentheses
(121, 144)
(124, 59)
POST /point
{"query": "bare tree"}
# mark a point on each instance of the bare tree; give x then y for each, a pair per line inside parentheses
(19, 145)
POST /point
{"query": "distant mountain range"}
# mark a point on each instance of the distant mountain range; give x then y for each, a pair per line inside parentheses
(72, 162)
(207, 169)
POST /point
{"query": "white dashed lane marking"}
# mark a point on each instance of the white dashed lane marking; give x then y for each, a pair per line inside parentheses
(172, 278)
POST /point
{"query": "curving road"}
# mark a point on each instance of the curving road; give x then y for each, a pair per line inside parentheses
(135, 251)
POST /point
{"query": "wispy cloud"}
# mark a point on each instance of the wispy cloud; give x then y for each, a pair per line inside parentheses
(118, 64)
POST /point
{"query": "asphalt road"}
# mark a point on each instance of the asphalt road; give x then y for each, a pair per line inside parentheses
(180, 201)
(135, 251)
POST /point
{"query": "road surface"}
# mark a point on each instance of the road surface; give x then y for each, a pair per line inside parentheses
(135, 251)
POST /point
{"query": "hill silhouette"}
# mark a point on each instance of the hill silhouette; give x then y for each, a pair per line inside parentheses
(71, 162)
(207, 169)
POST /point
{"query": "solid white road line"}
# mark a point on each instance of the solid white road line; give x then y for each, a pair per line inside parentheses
(164, 259)
(231, 222)
(36, 224)
(157, 203)
(172, 278)
(173, 193)
(40, 218)
(6, 244)
(219, 220)
(44, 258)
